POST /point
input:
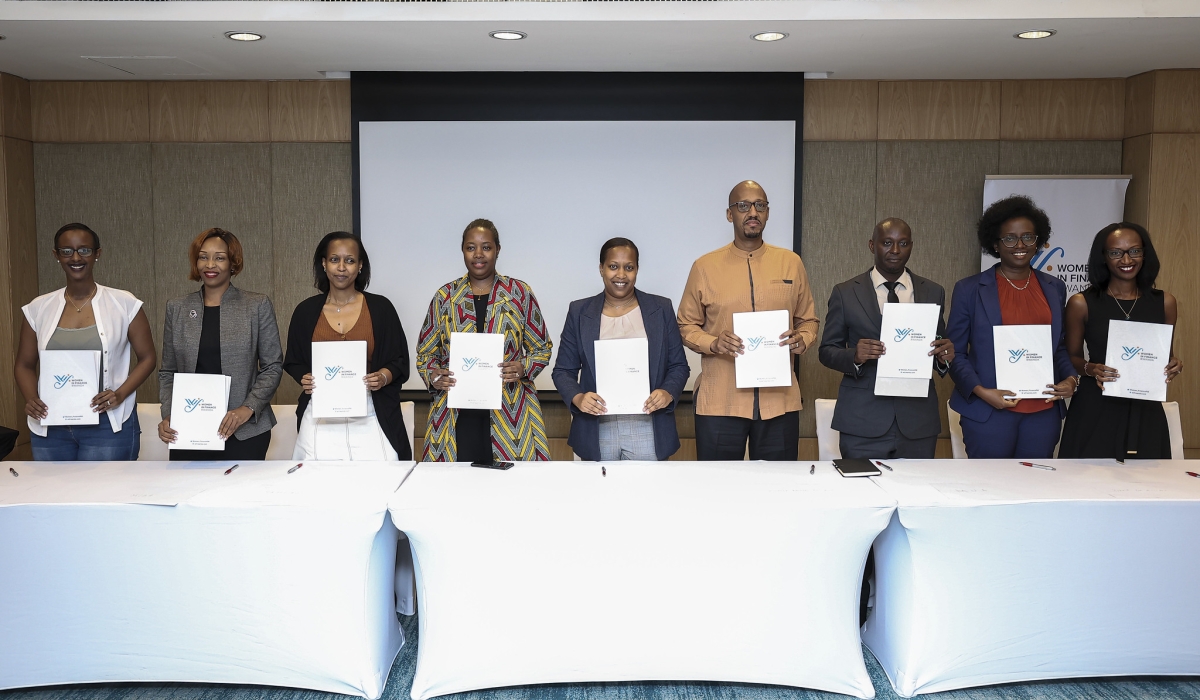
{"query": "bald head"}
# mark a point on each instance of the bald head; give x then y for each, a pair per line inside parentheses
(891, 244)
(747, 191)
(888, 224)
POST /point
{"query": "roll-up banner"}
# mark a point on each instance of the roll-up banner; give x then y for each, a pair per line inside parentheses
(1078, 207)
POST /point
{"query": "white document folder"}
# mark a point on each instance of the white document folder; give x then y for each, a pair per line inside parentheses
(623, 374)
(1024, 360)
(475, 361)
(199, 403)
(765, 361)
(907, 331)
(67, 383)
(1139, 352)
(338, 368)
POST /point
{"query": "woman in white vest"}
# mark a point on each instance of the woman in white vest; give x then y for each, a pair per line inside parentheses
(84, 315)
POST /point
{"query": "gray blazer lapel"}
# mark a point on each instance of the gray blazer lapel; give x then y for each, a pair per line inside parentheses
(864, 291)
(190, 325)
(233, 331)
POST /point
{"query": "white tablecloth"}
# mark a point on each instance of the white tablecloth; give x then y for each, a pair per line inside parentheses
(256, 577)
(991, 572)
(550, 572)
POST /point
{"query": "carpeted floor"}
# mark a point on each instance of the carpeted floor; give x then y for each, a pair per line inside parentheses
(402, 674)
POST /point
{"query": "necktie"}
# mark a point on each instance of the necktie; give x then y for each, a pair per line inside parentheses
(892, 297)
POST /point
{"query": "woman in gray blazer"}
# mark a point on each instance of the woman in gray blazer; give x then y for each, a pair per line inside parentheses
(221, 329)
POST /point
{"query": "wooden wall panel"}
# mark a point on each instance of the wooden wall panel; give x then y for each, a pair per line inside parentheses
(841, 110)
(90, 112)
(939, 110)
(1139, 104)
(210, 111)
(1136, 162)
(310, 110)
(1062, 109)
(1177, 102)
(1060, 158)
(15, 118)
(18, 246)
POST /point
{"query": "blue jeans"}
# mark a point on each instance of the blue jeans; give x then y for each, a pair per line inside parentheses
(1008, 435)
(89, 443)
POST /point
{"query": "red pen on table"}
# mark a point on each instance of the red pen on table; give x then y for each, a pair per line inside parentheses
(884, 466)
(295, 467)
(1193, 474)
(1038, 466)
(230, 470)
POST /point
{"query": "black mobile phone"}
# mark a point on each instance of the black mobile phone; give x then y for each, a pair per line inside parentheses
(493, 465)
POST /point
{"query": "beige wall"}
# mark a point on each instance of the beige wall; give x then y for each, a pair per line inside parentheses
(151, 164)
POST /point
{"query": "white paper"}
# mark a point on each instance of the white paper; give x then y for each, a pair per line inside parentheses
(338, 368)
(623, 374)
(68, 382)
(199, 403)
(907, 331)
(765, 361)
(1024, 360)
(475, 361)
(1139, 352)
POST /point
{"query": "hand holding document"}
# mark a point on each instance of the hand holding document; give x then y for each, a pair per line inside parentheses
(1139, 352)
(199, 403)
(1024, 360)
(906, 367)
(623, 374)
(68, 382)
(338, 368)
(765, 362)
(475, 360)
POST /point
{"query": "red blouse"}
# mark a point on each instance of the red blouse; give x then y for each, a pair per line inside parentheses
(1024, 307)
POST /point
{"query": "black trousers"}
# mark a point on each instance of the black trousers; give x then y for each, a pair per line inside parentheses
(891, 445)
(254, 448)
(723, 438)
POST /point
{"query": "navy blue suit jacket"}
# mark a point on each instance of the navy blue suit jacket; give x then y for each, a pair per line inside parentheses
(575, 369)
(974, 310)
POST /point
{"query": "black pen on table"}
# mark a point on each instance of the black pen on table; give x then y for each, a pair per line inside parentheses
(812, 469)
(1047, 467)
(13, 471)
(603, 471)
(295, 467)
(884, 466)
(230, 470)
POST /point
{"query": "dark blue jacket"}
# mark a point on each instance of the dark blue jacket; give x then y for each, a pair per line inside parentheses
(575, 369)
(974, 310)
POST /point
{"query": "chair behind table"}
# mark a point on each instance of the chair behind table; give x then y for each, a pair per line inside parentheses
(828, 440)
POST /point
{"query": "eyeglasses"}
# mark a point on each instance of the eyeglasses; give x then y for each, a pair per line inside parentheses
(745, 206)
(1118, 253)
(68, 252)
(1010, 241)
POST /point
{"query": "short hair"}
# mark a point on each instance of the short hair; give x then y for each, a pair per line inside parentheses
(1014, 207)
(484, 224)
(77, 227)
(321, 280)
(618, 242)
(1097, 271)
(231, 243)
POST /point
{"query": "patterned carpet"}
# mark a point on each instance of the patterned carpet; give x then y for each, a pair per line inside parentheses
(402, 674)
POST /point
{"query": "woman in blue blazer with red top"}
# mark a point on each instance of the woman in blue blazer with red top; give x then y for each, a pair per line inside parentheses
(994, 425)
(621, 311)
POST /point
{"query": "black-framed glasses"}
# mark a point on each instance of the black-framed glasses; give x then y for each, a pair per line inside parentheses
(1010, 241)
(744, 206)
(84, 251)
(1118, 253)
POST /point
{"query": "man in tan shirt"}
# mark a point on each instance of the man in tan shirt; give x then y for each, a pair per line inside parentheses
(746, 275)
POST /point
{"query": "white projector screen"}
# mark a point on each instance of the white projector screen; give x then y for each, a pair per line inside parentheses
(556, 191)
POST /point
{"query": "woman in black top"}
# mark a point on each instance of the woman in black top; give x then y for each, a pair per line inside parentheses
(1122, 268)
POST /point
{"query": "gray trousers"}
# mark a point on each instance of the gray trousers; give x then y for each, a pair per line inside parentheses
(891, 445)
(627, 437)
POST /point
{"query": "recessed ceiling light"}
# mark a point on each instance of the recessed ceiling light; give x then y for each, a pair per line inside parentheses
(507, 35)
(1035, 34)
(243, 36)
(769, 36)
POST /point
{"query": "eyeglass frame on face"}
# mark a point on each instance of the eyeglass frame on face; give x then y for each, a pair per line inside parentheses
(759, 205)
(70, 252)
(1122, 252)
(1026, 238)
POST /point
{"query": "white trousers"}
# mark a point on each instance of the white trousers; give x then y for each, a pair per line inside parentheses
(343, 439)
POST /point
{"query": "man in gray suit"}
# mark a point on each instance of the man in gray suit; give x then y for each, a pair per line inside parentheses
(881, 427)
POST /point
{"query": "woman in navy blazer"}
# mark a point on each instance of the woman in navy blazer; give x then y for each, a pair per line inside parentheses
(995, 426)
(594, 435)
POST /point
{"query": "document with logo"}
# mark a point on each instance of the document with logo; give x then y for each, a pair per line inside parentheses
(623, 374)
(906, 332)
(475, 360)
(199, 403)
(1024, 360)
(765, 361)
(68, 382)
(338, 368)
(1139, 352)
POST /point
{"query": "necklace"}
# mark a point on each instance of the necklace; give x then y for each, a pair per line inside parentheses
(345, 303)
(1019, 289)
(79, 309)
(1122, 306)
(619, 306)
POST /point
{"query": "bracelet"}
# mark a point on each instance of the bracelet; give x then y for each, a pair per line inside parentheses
(1085, 372)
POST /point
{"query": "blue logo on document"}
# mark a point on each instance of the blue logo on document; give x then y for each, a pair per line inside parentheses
(331, 373)
(902, 333)
(754, 343)
(1015, 356)
(1130, 353)
(191, 405)
(469, 363)
(60, 380)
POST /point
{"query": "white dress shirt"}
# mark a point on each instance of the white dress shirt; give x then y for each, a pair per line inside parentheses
(904, 288)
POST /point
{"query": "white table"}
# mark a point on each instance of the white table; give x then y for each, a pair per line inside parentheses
(146, 571)
(991, 572)
(551, 573)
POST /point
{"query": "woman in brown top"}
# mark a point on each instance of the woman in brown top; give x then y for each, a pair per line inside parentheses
(344, 311)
